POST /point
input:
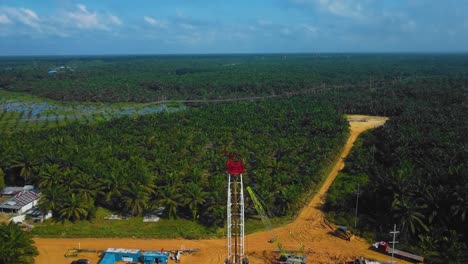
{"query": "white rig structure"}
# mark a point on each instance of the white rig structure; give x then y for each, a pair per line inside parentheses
(235, 212)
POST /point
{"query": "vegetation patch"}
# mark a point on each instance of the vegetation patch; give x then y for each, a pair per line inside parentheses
(16, 245)
(154, 78)
(134, 165)
(131, 227)
(412, 173)
(22, 112)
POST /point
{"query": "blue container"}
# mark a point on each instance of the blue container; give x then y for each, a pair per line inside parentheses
(111, 255)
(153, 257)
(108, 259)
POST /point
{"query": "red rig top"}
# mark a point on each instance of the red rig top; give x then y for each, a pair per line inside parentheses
(234, 166)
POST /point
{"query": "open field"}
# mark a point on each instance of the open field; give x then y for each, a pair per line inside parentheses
(309, 230)
(135, 227)
(23, 112)
(132, 227)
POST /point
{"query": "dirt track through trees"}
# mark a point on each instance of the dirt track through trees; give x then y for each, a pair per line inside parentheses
(309, 230)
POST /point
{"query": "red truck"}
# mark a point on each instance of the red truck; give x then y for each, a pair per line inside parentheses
(385, 248)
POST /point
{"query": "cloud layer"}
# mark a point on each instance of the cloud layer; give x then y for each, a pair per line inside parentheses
(209, 26)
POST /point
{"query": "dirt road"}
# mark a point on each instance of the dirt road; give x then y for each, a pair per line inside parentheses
(309, 229)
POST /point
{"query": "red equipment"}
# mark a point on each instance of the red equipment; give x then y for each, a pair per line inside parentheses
(234, 166)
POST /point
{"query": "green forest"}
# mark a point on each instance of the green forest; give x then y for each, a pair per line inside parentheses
(154, 78)
(175, 160)
(412, 172)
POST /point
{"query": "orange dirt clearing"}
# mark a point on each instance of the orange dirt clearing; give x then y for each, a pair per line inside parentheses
(309, 229)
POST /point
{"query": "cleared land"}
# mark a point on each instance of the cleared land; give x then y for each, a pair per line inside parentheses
(309, 230)
(23, 112)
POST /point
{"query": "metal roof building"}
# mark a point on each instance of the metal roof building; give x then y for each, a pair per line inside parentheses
(20, 203)
(11, 191)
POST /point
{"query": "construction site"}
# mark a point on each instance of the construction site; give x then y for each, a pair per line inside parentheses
(310, 238)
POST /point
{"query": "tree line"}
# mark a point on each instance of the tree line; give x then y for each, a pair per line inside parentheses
(151, 78)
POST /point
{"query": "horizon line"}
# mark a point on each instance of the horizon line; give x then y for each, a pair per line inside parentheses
(243, 53)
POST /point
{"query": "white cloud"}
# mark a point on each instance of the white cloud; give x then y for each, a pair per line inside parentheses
(150, 20)
(24, 21)
(186, 26)
(20, 20)
(22, 15)
(83, 8)
(4, 20)
(343, 8)
(29, 17)
(115, 20)
(154, 22)
(83, 18)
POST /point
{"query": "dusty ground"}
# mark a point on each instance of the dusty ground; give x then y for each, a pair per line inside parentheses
(4, 218)
(309, 229)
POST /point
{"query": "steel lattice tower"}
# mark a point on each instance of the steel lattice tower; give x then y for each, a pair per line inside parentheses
(235, 212)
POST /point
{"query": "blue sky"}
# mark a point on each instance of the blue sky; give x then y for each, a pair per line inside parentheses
(61, 27)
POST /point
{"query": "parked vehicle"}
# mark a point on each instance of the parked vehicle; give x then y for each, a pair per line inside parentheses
(384, 247)
(80, 261)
